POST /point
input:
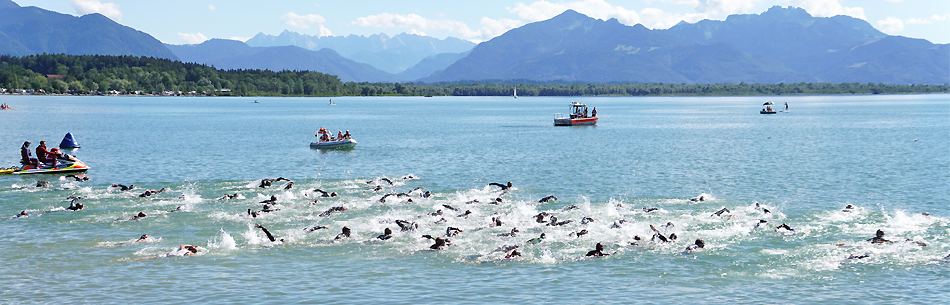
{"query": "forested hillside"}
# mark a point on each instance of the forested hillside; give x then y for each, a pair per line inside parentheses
(82, 74)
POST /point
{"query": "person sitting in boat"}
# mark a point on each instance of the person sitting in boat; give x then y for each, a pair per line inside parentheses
(44, 155)
(25, 154)
(325, 137)
(593, 113)
(339, 135)
(347, 135)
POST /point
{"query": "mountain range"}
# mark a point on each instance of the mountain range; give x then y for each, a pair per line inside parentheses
(391, 54)
(780, 45)
(32, 30)
(232, 54)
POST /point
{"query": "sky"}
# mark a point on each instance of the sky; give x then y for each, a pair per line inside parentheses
(194, 21)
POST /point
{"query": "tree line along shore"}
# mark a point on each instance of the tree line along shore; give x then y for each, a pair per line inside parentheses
(104, 74)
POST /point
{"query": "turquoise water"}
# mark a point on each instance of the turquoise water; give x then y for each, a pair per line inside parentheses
(887, 155)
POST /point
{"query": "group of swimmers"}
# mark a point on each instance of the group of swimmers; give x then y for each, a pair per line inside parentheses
(4, 106)
(441, 241)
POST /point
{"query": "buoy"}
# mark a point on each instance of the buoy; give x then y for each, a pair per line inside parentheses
(69, 141)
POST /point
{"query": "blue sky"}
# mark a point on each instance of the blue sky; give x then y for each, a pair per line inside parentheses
(193, 21)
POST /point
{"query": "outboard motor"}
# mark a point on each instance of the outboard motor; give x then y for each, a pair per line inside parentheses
(69, 141)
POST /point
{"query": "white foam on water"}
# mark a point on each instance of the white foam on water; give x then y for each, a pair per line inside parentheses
(223, 241)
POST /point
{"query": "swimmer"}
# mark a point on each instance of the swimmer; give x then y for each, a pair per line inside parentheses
(440, 221)
(74, 206)
(472, 202)
(723, 210)
(618, 224)
(177, 209)
(377, 188)
(465, 215)
(345, 233)
(452, 231)
(784, 226)
(598, 251)
(22, 214)
(513, 253)
(138, 216)
(253, 214)
(80, 177)
(426, 194)
(289, 185)
(514, 231)
(496, 201)
(636, 240)
(658, 235)
(504, 187)
(496, 222)
(698, 199)
(407, 226)
(226, 196)
(848, 208)
(698, 244)
(149, 193)
(879, 238)
(331, 210)
(387, 234)
(387, 180)
(450, 207)
(570, 207)
(42, 183)
(272, 200)
(554, 222)
(314, 228)
(408, 177)
(267, 209)
(865, 255)
(536, 240)
(123, 187)
(548, 198)
(324, 194)
(586, 220)
(578, 234)
(648, 210)
(436, 213)
(143, 238)
(439, 243)
(540, 217)
(761, 224)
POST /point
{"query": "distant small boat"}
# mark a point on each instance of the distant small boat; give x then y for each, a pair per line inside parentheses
(578, 116)
(516, 93)
(768, 108)
(332, 103)
(339, 144)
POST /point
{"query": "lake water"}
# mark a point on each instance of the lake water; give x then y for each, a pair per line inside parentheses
(889, 156)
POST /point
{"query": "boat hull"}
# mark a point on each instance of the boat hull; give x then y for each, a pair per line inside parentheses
(75, 167)
(342, 144)
(766, 112)
(575, 122)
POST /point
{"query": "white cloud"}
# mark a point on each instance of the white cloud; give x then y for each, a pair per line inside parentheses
(324, 31)
(937, 17)
(829, 8)
(890, 25)
(303, 22)
(725, 7)
(110, 10)
(417, 25)
(211, 7)
(195, 38)
(919, 21)
(600, 9)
